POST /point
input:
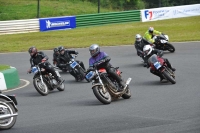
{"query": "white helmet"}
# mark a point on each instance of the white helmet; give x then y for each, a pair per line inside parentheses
(147, 49)
(151, 29)
(138, 37)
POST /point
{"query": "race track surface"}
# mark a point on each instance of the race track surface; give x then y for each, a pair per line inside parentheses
(153, 108)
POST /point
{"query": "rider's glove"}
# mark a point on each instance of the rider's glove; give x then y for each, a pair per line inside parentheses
(76, 52)
(29, 71)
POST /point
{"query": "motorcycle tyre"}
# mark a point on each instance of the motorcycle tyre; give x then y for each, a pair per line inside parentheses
(38, 89)
(168, 77)
(99, 95)
(13, 119)
(127, 94)
(171, 48)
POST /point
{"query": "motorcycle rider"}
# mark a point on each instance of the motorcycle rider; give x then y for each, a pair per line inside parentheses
(55, 56)
(100, 59)
(64, 59)
(149, 35)
(140, 42)
(38, 57)
(148, 52)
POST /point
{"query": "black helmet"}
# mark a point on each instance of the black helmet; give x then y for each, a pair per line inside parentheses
(55, 50)
(32, 51)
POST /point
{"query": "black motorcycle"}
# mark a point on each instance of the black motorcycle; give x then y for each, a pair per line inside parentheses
(44, 81)
(161, 42)
(77, 69)
(8, 111)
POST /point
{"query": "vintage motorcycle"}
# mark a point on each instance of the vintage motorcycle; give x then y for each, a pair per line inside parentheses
(77, 69)
(158, 64)
(163, 44)
(105, 88)
(44, 81)
(8, 111)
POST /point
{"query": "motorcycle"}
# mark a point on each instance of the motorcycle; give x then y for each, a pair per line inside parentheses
(63, 69)
(8, 111)
(158, 64)
(105, 88)
(163, 44)
(44, 81)
(77, 69)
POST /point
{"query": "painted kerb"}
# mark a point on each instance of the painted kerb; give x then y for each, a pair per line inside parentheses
(9, 79)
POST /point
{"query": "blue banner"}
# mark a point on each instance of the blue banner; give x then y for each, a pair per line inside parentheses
(57, 23)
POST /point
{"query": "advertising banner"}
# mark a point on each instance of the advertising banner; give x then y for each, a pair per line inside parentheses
(57, 23)
(170, 12)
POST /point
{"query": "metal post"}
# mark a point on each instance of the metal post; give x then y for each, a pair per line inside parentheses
(159, 3)
(98, 6)
(38, 9)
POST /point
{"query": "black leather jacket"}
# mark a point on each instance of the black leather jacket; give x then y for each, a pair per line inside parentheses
(62, 60)
(139, 45)
(38, 58)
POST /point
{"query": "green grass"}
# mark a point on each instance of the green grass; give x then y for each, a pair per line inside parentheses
(27, 9)
(181, 29)
(4, 67)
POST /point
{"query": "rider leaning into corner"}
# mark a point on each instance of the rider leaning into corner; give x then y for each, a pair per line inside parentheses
(148, 52)
(99, 60)
(149, 35)
(38, 57)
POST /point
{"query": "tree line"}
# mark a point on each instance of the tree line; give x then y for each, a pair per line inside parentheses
(141, 4)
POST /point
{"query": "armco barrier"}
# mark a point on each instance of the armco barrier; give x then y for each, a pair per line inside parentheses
(19, 26)
(107, 18)
(9, 79)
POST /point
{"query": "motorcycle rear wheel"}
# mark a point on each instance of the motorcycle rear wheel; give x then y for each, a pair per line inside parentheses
(171, 48)
(104, 98)
(40, 87)
(169, 77)
(9, 122)
(127, 94)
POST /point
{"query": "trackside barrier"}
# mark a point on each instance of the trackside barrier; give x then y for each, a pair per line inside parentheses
(107, 18)
(19, 26)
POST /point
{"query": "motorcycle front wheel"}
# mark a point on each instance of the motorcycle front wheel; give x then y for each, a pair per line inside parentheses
(170, 47)
(169, 77)
(7, 109)
(105, 98)
(40, 87)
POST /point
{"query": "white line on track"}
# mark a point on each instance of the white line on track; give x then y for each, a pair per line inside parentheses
(27, 83)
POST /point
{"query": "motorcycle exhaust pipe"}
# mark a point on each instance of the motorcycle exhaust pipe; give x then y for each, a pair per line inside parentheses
(8, 116)
(127, 83)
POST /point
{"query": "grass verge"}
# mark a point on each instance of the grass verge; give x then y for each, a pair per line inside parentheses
(4, 67)
(181, 29)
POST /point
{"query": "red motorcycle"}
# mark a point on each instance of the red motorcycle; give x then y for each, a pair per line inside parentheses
(158, 64)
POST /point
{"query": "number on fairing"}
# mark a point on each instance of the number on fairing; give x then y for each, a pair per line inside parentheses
(74, 64)
(90, 75)
(34, 70)
(157, 65)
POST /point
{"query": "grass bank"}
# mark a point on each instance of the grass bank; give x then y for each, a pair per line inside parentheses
(3, 67)
(181, 29)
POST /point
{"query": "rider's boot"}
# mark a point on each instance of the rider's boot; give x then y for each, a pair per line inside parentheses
(169, 65)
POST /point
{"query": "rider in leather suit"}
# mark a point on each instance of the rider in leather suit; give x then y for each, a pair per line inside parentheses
(64, 58)
(38, 57)
(101, 60)
(148, 52)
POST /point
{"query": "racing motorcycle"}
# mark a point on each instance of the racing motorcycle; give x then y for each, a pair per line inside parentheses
(105, 88)
(8, 111)
(77, 69)
(44, 81)
(163, 44)
(158, 64)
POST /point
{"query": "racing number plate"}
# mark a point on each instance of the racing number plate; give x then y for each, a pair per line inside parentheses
(157, 65)
(89, 75)
(74, 64)
(34, 70)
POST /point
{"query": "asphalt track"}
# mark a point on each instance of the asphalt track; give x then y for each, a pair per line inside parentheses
(153, 108)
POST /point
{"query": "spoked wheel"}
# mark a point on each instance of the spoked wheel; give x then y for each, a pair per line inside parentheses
(40, 87)
(105, 98)
(7, 109)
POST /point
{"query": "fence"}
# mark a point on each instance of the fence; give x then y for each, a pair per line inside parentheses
(107, 18)
(19, 26)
